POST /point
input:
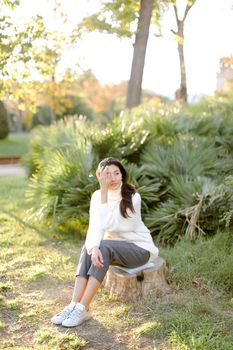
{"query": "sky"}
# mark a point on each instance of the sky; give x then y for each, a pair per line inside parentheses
(208, 37)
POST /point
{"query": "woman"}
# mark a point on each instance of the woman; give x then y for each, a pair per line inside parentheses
(116, 235)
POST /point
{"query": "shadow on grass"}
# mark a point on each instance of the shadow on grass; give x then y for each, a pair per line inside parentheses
(26, 224)
(96, 335)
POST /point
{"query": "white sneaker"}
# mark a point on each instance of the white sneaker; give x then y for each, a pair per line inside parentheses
(77, 316)
(59, 318)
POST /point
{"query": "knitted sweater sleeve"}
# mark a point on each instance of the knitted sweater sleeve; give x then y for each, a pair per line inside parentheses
(95, 230)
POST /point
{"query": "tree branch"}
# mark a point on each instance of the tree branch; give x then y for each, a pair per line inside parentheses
(174, 32)
(188, 7)
(176, 13)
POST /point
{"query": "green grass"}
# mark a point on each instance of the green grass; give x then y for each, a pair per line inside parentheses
(207, 264)
(14, 145)
(37, 274)
(52, 338)
(190, 321)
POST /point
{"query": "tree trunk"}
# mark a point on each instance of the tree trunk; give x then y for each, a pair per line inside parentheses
(135, 82)
(183, 82)
(133, 287)
(51, 109)
(20, 121)
(181, 94)
(52, 115)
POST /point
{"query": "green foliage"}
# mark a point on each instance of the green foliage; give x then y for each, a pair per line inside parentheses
(16, 42)
(41, 117)
(124, 137)
(4, 127)
(119, 17)
(187, 158)
(149, 188)
(46, 140)
(61, 188)
(63, 159)
(194, 207)
(33, 49)
(180, 162)
(78, 106)
(114, 17)
(220, 105)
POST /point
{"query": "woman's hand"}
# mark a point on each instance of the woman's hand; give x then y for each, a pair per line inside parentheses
(97, 258)
(103, 177)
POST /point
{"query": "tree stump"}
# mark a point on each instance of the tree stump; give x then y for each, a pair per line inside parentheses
(132, 287)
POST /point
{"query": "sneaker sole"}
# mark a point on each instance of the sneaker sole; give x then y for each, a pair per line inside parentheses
(57, 323)
(77, 324)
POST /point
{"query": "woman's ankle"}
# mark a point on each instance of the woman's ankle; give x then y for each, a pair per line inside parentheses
(72, 303)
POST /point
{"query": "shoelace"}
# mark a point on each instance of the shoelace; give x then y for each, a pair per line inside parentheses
(65, 312)
(76, 312)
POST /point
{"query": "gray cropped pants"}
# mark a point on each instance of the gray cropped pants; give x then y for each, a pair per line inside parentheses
(114, 252)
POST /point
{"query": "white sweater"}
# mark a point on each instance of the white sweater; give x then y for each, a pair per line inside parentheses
(106, 222)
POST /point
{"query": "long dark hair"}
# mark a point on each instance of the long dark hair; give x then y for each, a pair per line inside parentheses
(127, 190)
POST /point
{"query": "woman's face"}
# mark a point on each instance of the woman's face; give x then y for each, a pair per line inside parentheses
(115, 176)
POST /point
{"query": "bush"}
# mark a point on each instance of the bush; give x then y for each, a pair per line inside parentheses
(4, 127)
(179, 161)
(44, 141)
(125, 137)
(60, 192)
(62, 162)
(41, 117)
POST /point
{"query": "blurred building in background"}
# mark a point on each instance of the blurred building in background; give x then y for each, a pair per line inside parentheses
(225, 74)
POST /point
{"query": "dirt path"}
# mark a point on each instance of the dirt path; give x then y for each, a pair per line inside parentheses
(11, 170)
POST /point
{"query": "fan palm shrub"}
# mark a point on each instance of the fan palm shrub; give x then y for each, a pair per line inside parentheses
(189, 178)
(161, 125)
(177, 161)
(192, 157)
(60, 192)
(194, 207)
(124, 137)
(44, 141)
(198, 125)
(214, 106)
(224, 140)
(149, 188)
(64, 158)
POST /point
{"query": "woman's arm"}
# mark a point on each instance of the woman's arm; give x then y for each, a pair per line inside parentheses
(95, 231)
(104, 180)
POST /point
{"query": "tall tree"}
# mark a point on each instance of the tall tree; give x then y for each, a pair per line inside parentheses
(7, 46)
(16, 44)
(135, 82)
(181, 93)
(35, 49)
(118, 17)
